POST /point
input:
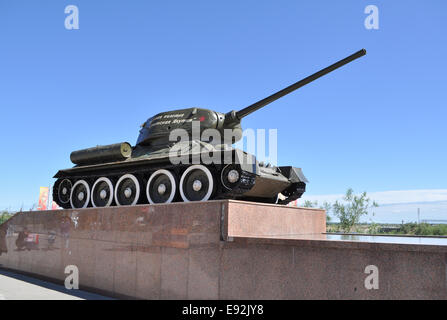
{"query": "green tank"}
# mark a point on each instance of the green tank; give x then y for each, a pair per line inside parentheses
(182, 155)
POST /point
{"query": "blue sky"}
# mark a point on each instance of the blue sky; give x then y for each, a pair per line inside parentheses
(375, 125)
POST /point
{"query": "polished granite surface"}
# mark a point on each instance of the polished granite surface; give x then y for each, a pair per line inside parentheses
(437, 241)
(218, 250)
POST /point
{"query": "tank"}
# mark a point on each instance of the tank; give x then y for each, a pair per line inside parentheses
(182, 155)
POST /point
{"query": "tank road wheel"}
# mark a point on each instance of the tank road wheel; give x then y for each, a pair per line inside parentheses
(196, 184)
(127, 190)
(80, 195)
(102, 193)
(230, 176)
(161, 187)
(64, 192)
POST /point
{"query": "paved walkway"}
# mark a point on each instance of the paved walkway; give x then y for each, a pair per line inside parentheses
(15, 286)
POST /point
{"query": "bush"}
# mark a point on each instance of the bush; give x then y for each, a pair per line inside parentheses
(355, 207)
(4, 215)
(422, 229)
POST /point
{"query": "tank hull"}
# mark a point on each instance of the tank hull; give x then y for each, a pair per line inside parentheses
(255, 181)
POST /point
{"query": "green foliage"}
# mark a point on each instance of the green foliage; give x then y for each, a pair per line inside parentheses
(422, 229)
(326, 206)
(351, 212)
(310, 204)
(374, 228)
(4, 215)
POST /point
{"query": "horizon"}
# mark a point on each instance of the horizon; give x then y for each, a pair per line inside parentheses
(396, 206)
(403, 208)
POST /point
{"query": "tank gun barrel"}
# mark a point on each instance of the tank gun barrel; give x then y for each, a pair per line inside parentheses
(262, 103)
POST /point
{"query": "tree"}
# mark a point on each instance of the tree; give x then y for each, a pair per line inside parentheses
(4, 215)
(326, 206)
(355, 207)
(310, 204)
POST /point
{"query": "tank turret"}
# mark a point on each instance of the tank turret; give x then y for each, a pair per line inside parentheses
(156, 130)
(120, 174)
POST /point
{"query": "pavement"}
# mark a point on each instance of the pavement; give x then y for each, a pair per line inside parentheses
(14, 286)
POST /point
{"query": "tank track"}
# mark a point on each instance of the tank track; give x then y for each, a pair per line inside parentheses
(294, 192)
(246, 181)
(56, 195)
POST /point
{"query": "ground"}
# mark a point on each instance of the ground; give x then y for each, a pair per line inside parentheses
(14, 286)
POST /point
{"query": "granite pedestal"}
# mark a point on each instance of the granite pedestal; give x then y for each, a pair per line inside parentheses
(214, 250)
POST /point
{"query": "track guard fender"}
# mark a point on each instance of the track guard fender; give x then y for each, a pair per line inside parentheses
(293, 174)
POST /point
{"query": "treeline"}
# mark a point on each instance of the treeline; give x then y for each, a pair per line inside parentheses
(421, 229)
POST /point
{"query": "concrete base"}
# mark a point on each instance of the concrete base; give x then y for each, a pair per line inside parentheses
(215, 250)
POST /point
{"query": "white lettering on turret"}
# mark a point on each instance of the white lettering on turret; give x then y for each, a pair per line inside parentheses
(174, 115)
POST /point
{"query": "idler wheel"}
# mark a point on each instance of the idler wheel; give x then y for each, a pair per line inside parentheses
(161, 187)
(64, 191)
(102, 192)
(80, 195)
(127, 190)
(230, 176)
(196, 184)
